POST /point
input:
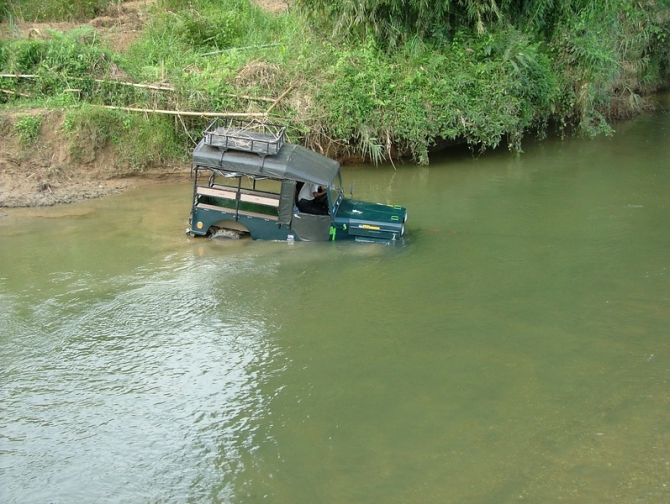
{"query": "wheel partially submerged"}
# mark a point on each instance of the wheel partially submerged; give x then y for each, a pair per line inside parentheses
(227, 234)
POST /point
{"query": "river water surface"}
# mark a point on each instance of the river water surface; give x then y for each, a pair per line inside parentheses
(517, 349)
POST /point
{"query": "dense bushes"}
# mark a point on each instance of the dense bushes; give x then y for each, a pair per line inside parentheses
(475, 90)
(601, 54)
(390, 80)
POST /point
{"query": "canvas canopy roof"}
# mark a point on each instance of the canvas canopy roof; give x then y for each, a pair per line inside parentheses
(292, 162)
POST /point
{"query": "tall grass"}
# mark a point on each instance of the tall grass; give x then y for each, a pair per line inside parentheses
(53, 10)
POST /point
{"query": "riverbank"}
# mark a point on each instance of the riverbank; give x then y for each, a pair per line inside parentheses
(47, 171)
(38, 186)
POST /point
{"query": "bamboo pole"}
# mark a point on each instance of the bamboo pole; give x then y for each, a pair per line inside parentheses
(247, 97)
(185, 113)
(162, 87)
(279, 99)
(100, 81)
(7, 91)
(274, 102)
(144, 86)
(239, 49)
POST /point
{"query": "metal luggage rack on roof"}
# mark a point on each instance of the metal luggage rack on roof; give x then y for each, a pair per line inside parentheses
(264, 139)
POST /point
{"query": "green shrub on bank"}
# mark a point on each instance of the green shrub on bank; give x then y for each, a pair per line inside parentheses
(151, 141)
(138, 142)
(28, 129)
(483, 89)
(63, 62)
(584, 61)
(183, 32)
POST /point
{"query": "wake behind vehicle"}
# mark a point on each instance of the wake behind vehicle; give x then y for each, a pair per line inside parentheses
(247, 180)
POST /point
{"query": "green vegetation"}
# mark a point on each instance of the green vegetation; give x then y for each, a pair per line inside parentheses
(28, 128)
(53, 10)
(377, 78)
(138, 141)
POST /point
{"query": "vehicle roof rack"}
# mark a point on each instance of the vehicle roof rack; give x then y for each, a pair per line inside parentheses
(249, 135)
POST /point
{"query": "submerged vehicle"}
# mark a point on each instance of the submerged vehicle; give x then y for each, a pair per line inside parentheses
(247, 180)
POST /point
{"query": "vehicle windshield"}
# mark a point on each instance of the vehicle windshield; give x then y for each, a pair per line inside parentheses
(335, 193)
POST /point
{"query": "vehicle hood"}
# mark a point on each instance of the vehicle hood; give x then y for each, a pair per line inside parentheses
(365, 212)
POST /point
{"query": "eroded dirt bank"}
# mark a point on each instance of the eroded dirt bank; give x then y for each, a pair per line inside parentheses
(46, 172)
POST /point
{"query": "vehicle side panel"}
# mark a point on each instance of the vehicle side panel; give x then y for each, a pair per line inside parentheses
(259, 226)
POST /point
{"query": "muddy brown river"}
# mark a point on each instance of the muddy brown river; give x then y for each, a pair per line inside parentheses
(516, 349)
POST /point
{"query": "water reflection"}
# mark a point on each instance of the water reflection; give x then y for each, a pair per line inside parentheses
(516, 349)
(143, 386)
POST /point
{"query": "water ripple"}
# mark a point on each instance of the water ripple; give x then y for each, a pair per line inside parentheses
(128, 388)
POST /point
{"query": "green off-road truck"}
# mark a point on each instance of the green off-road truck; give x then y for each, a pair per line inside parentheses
(247, 180)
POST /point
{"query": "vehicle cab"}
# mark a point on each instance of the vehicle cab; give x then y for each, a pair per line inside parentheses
(247, 180)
